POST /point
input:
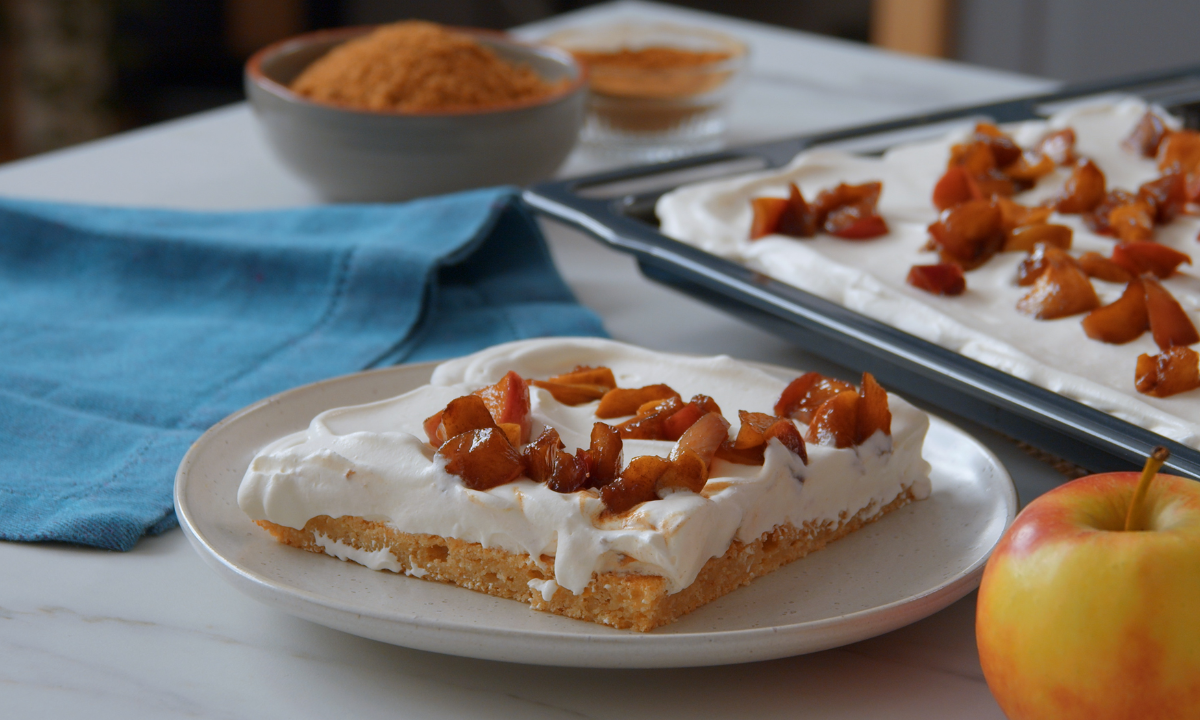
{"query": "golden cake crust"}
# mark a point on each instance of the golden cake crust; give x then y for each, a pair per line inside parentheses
(622, 600)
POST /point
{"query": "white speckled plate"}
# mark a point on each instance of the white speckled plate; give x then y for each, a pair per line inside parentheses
(908, 565)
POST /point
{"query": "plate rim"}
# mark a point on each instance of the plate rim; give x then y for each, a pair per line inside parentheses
(313, 606)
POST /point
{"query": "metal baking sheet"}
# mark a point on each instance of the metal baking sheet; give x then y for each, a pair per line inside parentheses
(617, 208)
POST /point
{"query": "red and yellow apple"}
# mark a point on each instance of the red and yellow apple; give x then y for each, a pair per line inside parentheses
(1090, 605)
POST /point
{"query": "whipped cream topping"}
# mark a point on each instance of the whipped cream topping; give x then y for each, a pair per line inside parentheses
(381, 559)
(982, 324)
(373, 461)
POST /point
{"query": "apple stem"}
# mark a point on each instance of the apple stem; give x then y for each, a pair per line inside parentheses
(1153, 464)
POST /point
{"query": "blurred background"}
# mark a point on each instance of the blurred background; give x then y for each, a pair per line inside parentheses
(75, 70)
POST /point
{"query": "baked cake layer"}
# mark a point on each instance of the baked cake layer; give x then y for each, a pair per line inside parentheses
(569, 553)
(621, 600)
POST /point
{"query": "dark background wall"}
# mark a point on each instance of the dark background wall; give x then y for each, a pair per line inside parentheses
(74, 70)
(1078, 40)
(189, 53)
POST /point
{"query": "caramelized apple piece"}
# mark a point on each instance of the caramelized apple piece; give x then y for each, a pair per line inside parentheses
(1030, 167)
(650, 421)
(845, 194)
(744, 456)
(1059, 146)
(508, 402)
(856, 222)
(747, 448)
(620, 402)
(604, 455)
(567, 475)
(785, 432)
(546, 461)
(1036, 263)
(758, 429)
(642, 467)
(704, 437)
(483, 458)
(1083, 191)
(1097, 218)
(1147, 135)
(687, 470)
(753, 425)
(835, 423)
(511, 431)
(1024, 239)
(669, 405)
(1169, 323)
(847, 211)
(806, 393)
(1167, 196)
(573, 393)
(975, 157)
(968, 234)
(1014, 215)
(766, 212)
(539, 455)
(1150, 257)
(939, 279)
(1061, 289)
(873, 412)
(1193, 191)
(1179, 153)
(985, 130)
(982, 158)
(1132, 223)
(584, 456)
(1096, 265)
(581, 385)
(1168, 373)
(463, 415)
(636, 485)
(851, 417)
(995, 184)
(675, 425)
(955, 187)
(1004, 149)
(798, 219)
(1121, 321)
(431, 425)
(584, 375)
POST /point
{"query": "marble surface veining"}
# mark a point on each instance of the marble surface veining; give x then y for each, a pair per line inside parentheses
(156, 634)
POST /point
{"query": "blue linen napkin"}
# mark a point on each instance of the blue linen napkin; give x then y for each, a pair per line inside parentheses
(125, 333)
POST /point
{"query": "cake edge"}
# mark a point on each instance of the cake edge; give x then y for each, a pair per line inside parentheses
(625, 601)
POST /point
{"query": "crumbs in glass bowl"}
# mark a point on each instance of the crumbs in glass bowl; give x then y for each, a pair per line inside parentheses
(656, 91)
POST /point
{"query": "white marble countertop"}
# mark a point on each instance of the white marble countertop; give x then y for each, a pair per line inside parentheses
(155, 633)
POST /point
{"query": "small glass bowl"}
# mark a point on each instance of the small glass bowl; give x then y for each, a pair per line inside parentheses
(656, 91)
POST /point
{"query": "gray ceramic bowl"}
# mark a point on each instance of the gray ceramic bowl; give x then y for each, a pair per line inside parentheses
(368, 156)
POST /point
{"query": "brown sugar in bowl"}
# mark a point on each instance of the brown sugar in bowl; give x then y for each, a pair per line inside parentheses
(418, 66)
(378, 155)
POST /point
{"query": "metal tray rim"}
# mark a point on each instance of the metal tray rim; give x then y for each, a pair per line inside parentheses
(1059, 425)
